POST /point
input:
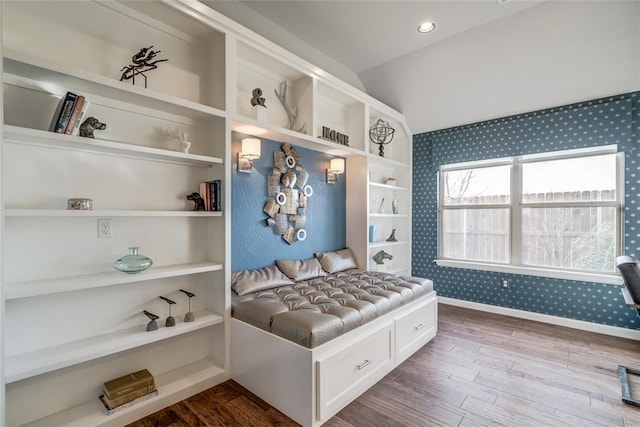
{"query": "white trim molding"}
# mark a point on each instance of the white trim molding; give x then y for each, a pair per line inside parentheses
(614, 331)
(583, 276)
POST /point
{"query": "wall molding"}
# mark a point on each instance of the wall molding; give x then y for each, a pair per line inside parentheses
(615, 331)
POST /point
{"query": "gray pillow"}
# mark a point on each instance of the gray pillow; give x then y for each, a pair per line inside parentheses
(333, 262)
(301, 269)
(247, 281)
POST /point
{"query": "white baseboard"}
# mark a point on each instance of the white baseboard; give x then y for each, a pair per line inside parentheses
(614, 331)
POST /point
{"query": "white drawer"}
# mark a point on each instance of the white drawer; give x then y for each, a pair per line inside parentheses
(415, 328)
(346, 374)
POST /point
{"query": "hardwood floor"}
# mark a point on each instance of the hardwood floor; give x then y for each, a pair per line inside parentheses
(481, 369)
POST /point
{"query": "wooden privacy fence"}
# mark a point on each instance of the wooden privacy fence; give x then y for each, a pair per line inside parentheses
(581, 237)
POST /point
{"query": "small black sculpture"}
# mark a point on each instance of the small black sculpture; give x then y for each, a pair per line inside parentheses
(171, 321)
(189, 316)
(152, 325)
(381, 256)
(392, 236)
(142, 62)
(198, 202)
(257, 98)
(88, 126)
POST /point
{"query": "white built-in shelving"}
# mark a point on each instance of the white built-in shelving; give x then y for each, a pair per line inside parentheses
(53, 285)
(26, 365)
(69, 318)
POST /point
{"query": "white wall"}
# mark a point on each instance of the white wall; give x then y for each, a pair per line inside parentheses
(552, 54)
(251, 19)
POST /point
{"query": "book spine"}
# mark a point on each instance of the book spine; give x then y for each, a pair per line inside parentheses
(74, 115)
(147, 384)
(204, 193)
(112, 403)
(217, 189)
(212, 196)
(65, 113)
(128, 383)
(111, 411)
(83, 113)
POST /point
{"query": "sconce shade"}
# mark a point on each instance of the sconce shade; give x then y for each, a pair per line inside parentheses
(337, 166)
(251, 148)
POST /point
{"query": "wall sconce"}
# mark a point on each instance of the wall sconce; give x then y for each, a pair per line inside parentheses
(250, 151)
(336, 168)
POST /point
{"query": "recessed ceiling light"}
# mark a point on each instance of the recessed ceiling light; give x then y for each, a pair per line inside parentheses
(426, 27)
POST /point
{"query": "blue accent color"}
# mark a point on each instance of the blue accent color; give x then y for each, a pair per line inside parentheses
(612, 120)
(253, 243)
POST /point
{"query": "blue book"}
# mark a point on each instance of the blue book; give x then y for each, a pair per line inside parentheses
(68, 104)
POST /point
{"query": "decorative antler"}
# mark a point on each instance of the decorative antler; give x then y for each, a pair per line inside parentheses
(292, 112)
(182, 137)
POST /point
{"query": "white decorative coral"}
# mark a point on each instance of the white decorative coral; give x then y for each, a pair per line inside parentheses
(181, 137)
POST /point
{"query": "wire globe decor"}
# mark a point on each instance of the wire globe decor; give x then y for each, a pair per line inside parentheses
(382, 134)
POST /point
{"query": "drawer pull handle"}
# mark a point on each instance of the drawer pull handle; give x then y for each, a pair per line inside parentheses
(420, 326)
(364, 364)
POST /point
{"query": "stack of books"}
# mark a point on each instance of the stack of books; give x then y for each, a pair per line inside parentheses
(126, 391)
(210, 193)
(70, 114)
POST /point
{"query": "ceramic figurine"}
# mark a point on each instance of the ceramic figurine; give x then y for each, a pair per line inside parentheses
(198, 201)
(88, 126)
(379, 257)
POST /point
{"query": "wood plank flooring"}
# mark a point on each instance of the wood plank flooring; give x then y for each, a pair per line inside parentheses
(482, 369)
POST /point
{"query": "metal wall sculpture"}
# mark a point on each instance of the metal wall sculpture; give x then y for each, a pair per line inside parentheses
(289, 195)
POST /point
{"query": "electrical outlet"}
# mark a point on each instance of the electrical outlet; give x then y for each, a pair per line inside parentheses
(105, 228)
(505, 283)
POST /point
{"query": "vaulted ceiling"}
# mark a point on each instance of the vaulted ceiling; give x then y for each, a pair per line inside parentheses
(485, 59)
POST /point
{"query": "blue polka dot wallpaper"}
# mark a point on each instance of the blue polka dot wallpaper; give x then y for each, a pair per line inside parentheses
(611, 120)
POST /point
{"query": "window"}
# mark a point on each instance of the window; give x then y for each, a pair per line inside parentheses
(554, 211)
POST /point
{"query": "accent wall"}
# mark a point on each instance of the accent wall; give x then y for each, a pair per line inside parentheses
(254, 244)
(605, 121)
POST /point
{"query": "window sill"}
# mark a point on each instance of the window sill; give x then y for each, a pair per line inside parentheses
(609, 279)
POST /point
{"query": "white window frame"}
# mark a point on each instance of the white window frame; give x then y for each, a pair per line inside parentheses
(515, 266)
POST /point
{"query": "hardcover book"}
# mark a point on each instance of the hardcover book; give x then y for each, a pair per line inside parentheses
(121, 400)
(74, 115)
(68, 104)
(111, 411)
(128, 383)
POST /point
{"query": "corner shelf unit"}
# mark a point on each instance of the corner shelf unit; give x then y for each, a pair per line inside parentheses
(68, 318)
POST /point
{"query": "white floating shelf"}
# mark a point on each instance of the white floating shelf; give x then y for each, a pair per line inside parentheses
(385, 161)
(387, 186)
(38, 362)
(382, 215)
(105, 213)
(281, 134)
(22, 66)
(387, 244)
(32, 288)
(172, 386)
(22, 135)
